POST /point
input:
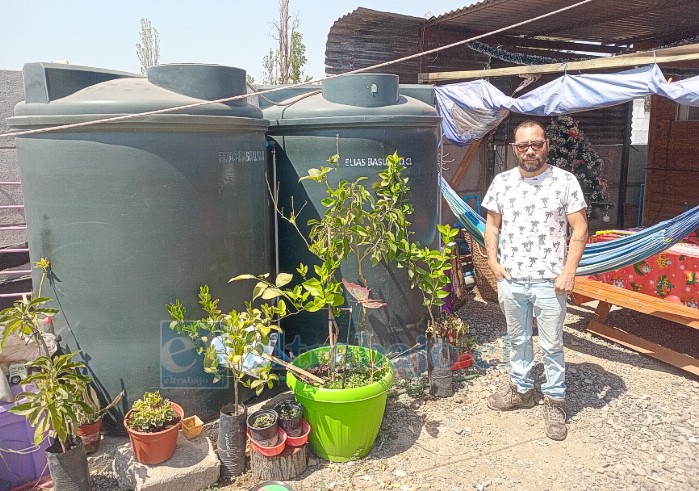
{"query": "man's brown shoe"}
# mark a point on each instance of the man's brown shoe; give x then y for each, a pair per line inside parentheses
(511, 399)
(555, 419)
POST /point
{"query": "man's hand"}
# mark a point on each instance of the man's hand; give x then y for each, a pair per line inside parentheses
(578, 223)
(564, 284)
(498, 270)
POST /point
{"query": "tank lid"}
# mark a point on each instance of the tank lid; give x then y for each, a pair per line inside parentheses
(362, 90)
(46, 82)
(61, 94)
(205, 82)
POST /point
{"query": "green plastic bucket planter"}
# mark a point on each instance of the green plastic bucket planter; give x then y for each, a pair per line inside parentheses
(344, 422)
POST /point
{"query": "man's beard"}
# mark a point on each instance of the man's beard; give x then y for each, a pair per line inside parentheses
(531, 166)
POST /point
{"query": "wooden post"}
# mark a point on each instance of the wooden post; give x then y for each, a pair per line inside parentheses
(623, 176)
(289, 464)
(465, 163)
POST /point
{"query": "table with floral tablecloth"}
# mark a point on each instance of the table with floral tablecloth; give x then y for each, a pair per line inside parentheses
(671, 275)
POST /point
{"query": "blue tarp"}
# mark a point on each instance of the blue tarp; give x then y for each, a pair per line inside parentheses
(471, 109)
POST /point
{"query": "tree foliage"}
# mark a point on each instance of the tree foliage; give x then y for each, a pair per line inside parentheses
(148, 50)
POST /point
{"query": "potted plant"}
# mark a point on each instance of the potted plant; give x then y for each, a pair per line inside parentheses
(368, 227)
(365, 227)
(429, 268)
(263, 427)
(59, 394)
(290, 417)
(444, 334)
(90, 423)
(227, 340)
(153, 423)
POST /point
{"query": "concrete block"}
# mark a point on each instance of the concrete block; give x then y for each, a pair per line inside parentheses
(101, 462)
(193, 466)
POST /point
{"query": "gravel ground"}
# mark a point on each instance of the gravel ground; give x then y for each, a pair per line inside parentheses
(633, 424)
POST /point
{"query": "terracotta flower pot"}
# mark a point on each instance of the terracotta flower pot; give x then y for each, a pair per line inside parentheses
(90, 435)
(154, 448)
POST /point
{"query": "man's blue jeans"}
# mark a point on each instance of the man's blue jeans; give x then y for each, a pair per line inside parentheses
(519, 301)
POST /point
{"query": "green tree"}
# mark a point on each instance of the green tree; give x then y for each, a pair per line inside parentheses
(148, 50)
(297, 58)
(270, 68)
(285, 65)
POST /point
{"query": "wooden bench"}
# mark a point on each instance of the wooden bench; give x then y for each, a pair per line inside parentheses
(608, 295)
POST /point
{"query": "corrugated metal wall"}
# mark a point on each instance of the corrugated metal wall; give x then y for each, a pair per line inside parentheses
(367, 37)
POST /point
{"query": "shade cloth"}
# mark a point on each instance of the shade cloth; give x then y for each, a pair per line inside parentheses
(471, 109)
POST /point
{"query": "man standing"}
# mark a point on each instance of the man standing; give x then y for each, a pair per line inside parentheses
(529, 210)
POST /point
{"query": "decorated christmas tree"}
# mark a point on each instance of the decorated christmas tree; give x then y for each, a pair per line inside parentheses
(571, 151)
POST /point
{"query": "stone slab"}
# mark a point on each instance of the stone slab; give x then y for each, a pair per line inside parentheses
(193, 466)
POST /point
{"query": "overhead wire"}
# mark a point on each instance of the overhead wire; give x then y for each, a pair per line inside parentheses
(123, 117)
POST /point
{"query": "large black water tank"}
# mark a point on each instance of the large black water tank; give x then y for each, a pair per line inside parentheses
(373, 119)
(135, 213)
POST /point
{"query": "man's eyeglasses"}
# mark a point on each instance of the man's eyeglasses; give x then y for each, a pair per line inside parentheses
(536, 145)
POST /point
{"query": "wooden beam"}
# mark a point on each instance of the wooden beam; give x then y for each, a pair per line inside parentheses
(465, 163)
(640, 302)
(679, 360)
(668, 55)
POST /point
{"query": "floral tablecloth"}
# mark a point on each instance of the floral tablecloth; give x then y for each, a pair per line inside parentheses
(671, 275)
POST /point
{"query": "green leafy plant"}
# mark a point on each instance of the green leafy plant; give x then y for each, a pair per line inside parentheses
(451, 328)
(362, 225)
(61, 388)
(53, 409)
(356, 225)
(289, 410)
(25, 316)
(263, 421)
(241, 333)
(152, 413)
(96, 411)
(359, 225)
(427, 268)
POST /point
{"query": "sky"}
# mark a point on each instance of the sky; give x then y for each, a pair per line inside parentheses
(234, 32)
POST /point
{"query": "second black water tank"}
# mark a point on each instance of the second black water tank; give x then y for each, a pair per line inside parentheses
(372, 120)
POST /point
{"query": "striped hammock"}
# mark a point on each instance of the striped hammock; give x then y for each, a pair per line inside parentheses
(599, 257)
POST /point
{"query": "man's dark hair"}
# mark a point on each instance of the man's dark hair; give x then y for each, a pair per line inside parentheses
(528, 124)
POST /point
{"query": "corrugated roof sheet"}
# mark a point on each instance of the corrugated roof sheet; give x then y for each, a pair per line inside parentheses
(368, 37)
(604, 21)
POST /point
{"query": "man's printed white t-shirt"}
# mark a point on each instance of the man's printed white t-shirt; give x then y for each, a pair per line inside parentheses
(533, 232)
